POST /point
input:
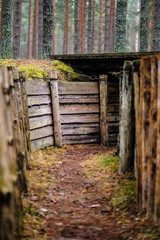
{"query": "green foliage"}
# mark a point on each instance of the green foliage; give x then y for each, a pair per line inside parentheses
(111, 161)
(64, 69)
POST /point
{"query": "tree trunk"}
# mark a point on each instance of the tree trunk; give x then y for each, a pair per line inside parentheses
(89, 41)
(120, 36)
(47, 28)
(29, 32)
(53, 35)
(127, 122)
(40, 28)
(84, 27)
(144, 26)
(100, 26)
(76, 23)
(35, 25)
(156, 28)
(65, 39)
(150, 25)
(107, 23)
(112, 25)
(6, 38)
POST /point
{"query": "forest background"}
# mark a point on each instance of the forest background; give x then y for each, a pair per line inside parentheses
(34, 29)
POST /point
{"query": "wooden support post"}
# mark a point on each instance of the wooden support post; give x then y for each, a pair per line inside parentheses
(127, 122)
(103, 109)
(55, 109)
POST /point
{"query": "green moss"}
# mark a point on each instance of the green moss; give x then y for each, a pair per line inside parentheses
(33, 71)
(111, 161)
(65, 69)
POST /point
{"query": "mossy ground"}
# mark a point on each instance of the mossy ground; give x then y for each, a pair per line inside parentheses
(75, 192)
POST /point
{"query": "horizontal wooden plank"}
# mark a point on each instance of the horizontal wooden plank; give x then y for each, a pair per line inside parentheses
(39, 110)
(78, 88)
(78, 98)
(37, 122)
(114, 119)
(66, 126)
(80, 130)
(112, 137)
(41, 132)
(81, 139)
(77, 118)
(37, 88)
(39, 100)
(42, 143)
(113, 129)
(79, 108)
(113, 108)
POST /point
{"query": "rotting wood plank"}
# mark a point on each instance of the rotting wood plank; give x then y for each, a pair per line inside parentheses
(77, 88)
(39, 110)
(79, 108)
(77, 118)
(81, 139)
(65, 126)
(41, 132)
(103, 109)
(37, 122)
(78, 98)
(80, 130)
(37, 88)
(42, 143)
(39, 100)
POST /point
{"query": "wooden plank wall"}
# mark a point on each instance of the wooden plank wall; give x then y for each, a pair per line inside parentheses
(79, 112)
(113, 110)
(40, 114)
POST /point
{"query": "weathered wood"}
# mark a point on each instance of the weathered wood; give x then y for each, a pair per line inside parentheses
(37, 88)
(156, 215)
(56, 113)
(83, 118)
(42, 143)
(39, 100)
(41, 132)
(79, 99)
(42, 121)
(40, 110)
(103, 109)
(113, 118)
(77, 125)
(127, 122)
(78, 88)
(113, 108)
(80, 130)
(78, 108)
(81, 139)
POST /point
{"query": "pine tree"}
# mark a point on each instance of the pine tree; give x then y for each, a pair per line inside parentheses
(112, 25)
(156, 28)
(100, 25)
(120, 36)
(29, 32)
(107, 23)
(89, 40)
(76, 23)
(65, 39)
(35, 25)
(40, 28)
(6, 44)
(17, 28)
(47, 28)
(144, 26)
(53, 29)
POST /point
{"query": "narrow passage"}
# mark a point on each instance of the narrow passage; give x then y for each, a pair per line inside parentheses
(70, 195)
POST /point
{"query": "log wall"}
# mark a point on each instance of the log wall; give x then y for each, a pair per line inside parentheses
(13, 153)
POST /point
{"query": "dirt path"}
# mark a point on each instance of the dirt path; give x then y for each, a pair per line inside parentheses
(67, 199)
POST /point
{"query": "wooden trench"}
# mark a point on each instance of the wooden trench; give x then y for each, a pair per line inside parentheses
(73, 112)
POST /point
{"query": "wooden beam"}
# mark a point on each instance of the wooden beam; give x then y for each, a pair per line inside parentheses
(103, 109)
(56, 113)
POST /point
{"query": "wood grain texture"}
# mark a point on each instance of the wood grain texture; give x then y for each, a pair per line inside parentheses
(42, 143)
(38, 122)
(81, 139)
(80, 130)
(78, 88)
(37, 88)
(77, 118)
(79, 99)
(39, 100)
(41, 132)
(39, 110)
(78, 108)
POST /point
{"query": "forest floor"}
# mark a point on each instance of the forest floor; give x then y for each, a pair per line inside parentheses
(75, 192)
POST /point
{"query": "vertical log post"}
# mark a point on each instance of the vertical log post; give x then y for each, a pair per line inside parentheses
(55, 108)
(127, 122)
(103, 89)
(136, 82)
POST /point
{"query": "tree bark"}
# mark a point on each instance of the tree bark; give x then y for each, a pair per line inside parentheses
(89, 40)
(76, 23)
(35, 26)
(29, 33)
(65, 39)
(40, 28)
(112, 25)
(107, 23)
(100, 26)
